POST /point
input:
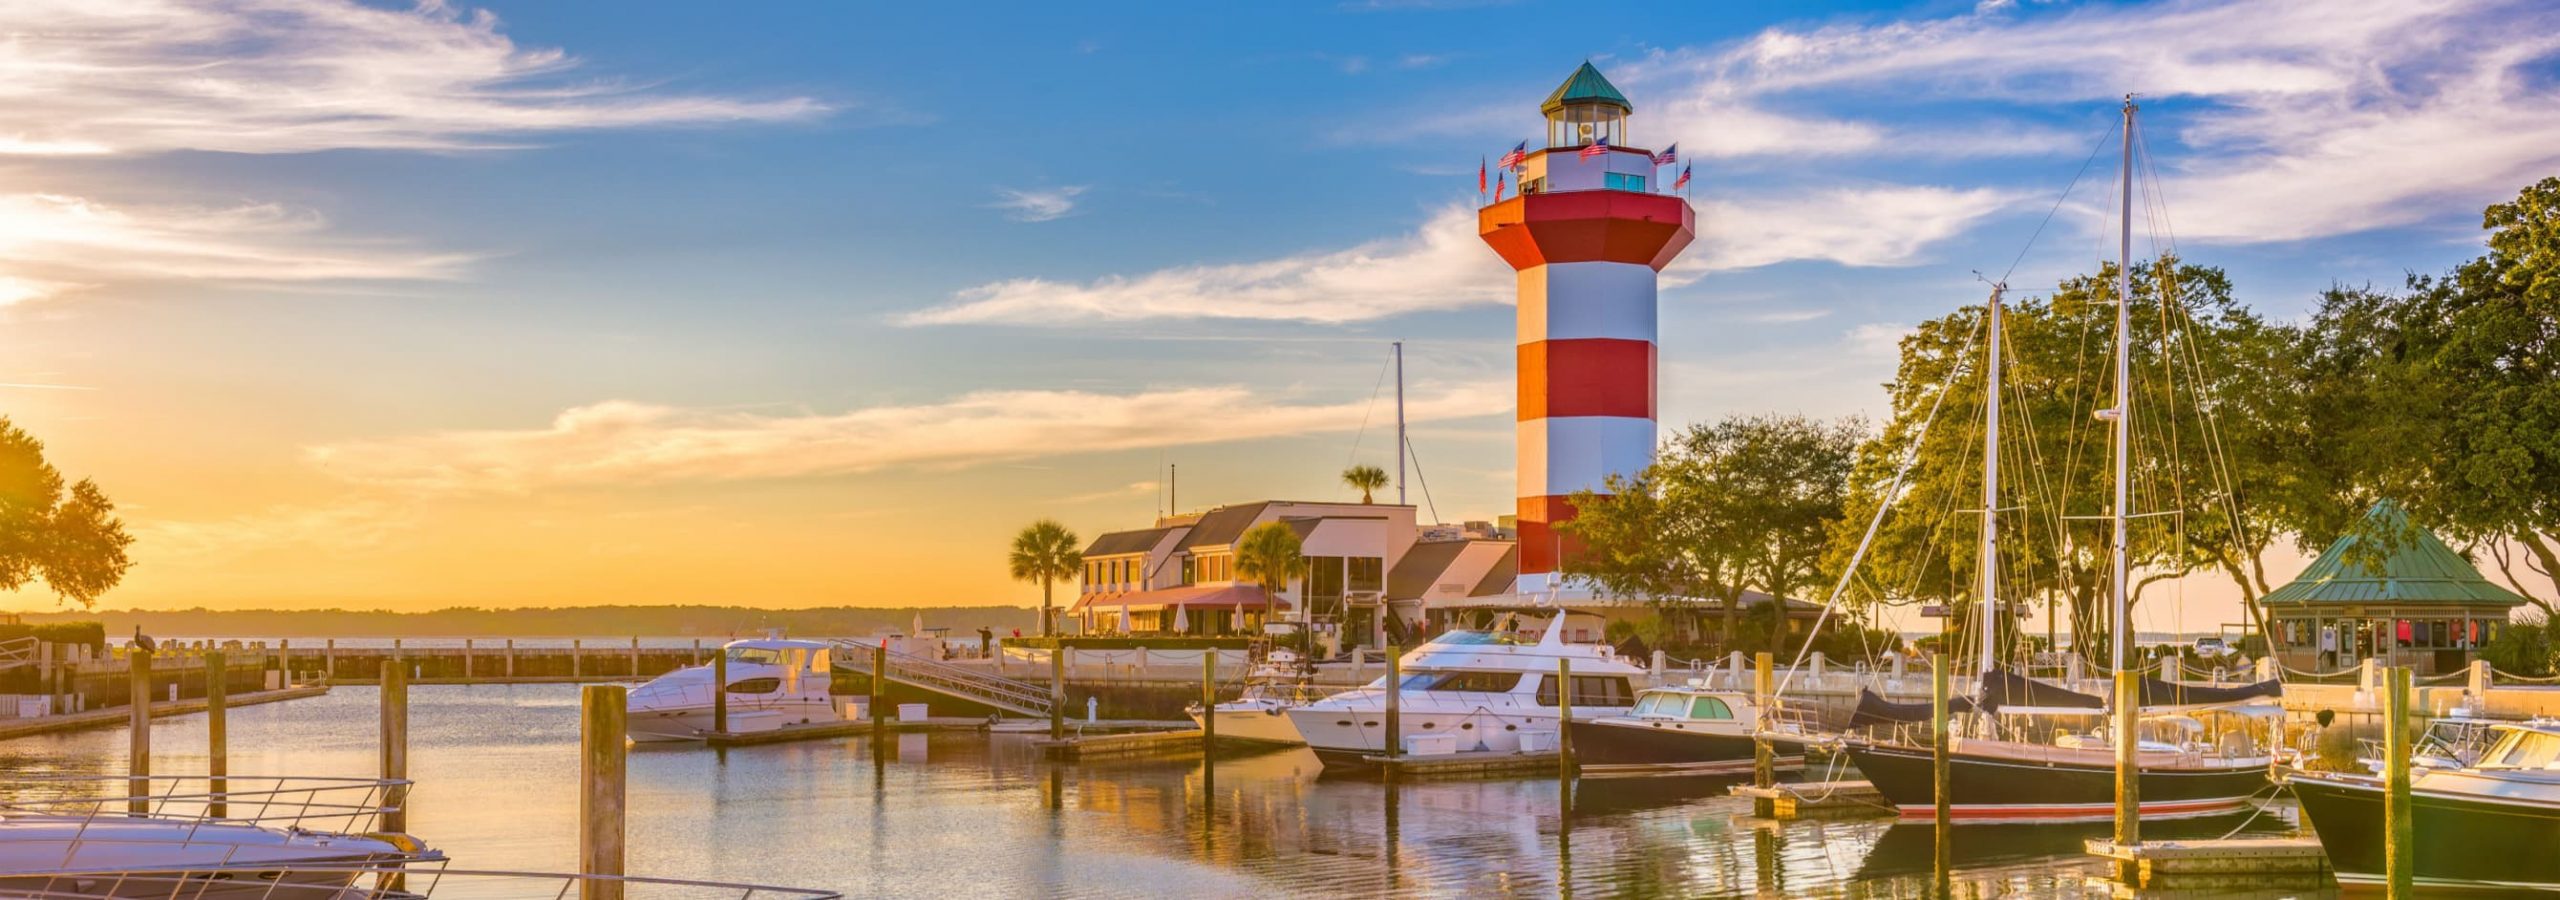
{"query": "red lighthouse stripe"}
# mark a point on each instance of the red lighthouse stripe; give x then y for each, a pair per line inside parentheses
(1540, 545)
(1586, 377)
(1588, 226)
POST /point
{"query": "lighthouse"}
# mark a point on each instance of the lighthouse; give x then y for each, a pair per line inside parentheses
(1587, 237)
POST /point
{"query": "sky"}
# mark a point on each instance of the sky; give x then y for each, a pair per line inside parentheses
(812, 304)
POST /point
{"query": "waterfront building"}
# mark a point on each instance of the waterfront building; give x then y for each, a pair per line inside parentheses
(1587, 235)
(2391, 592)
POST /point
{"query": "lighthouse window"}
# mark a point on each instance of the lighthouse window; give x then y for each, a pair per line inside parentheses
(1533, 186)
(1620, 181)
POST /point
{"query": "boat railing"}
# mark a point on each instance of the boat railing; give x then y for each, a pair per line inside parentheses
(368, 882)
(994, 690)
(315, 804)
(17, 653)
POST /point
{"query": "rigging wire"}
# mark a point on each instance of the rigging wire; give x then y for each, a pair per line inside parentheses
(1370, 410)
(1415, 457)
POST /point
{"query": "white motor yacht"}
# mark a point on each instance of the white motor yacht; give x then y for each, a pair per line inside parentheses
(1465, 691)
(773, 682)
(1277, 684)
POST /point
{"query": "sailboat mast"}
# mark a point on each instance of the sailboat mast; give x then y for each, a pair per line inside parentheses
(1990, 564)
(2128, 702)
(1400, 423)
(2123, 412)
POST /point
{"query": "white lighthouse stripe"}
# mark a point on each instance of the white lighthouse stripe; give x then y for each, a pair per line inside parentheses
(1562, 455)
(1563, 301)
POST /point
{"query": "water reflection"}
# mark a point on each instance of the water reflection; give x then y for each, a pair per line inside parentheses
(950, 812)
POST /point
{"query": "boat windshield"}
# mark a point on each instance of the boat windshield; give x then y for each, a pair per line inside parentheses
(1482, 682)
(1479, 638)
(2524, 750)
(757, 655)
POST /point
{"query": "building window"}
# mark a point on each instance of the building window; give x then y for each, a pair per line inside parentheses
(1533, 186)
(1186, 569)
(1368, 573)
(1621, 181)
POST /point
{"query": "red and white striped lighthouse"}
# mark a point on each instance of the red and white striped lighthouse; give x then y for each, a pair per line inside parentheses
(1588, 235)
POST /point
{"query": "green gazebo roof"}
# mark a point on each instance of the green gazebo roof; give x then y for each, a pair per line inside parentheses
(1586, 86)
(2415, 568)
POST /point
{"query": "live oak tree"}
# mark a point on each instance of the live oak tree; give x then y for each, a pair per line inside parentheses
(69, 538)
(1740, 504)
(1045, 552)
(2210, 388)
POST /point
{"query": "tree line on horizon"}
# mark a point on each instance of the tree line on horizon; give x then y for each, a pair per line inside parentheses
(562, 622)
(2442, 394)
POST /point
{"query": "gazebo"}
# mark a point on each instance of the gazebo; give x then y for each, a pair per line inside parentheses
(2389, 592)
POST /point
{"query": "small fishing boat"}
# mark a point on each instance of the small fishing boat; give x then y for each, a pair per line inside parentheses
(1273, 687)
(1684, 730)
(2486, 827)
(1492, 690)
(773, 682)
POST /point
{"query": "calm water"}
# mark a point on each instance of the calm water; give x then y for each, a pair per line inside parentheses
(938, 814)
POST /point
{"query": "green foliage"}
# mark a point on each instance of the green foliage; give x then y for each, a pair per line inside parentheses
(71, 539)
(93, 634)
(2529, 647)
(1045, 552)
(2206, 374)
(1725, 508)
(1366, 479)
(1268, 555)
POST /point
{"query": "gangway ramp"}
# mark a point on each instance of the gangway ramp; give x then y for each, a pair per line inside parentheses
(1017, 697)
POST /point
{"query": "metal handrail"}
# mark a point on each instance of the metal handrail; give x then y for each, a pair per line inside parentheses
(946, 677)
(380, 882)
(17, 652)
(310, 804)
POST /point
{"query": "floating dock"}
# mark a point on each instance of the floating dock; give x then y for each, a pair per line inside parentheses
(119, 716)
(1815, 800)
(2228, 863)
(1184, 742)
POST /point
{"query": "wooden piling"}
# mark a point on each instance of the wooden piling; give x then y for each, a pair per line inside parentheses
(635, 657)
(138, 761)
(1764, 682)
(1057, 691)
(2128, 744)
(1564, 719)
(1208, 704)
(720, 692)
(601, 770)
(511, 657)
(1940, 774)
(395, 746)
(577, 657)
(880, 690)
(329, 660)
(466, 659)
(2399, 859)
(217, 764)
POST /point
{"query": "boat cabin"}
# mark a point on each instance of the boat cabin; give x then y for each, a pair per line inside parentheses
(2533, 747)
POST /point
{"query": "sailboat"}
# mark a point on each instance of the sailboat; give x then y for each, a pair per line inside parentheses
(2070, 772)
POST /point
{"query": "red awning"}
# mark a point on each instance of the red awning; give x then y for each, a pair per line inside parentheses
(1204, 596)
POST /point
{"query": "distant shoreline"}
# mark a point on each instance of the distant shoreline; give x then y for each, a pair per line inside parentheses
(662, 622)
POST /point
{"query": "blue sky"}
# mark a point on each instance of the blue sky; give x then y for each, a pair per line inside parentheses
(682, 291)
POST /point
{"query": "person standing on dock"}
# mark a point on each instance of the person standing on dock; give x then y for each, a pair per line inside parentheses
(986, 642)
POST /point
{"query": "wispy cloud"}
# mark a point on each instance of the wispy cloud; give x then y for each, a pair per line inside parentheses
(2296, 120)
(1889, 225)
(356, 524)
(1038, 204)
(51, 245)
(622, 443)
(1441, 266)
(283, 76)
(1132, 489)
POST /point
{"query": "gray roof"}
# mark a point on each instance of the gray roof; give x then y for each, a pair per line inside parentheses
(1422, 566)
(1222, 526)
(1504, 574)
(1119, 542)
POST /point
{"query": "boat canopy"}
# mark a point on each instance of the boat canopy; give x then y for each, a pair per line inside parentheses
(2003, 689)
(1875, 710)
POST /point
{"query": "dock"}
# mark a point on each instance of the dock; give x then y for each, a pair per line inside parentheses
(1815, 800)
(118, 716)
(2228, 863)
(1184, 742)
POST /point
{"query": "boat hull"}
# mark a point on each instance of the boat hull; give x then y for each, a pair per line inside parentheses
(690, 723)
(1607, 748)
(2463, 842)
(1257, 724)
(2000, 789)
(1343, 736)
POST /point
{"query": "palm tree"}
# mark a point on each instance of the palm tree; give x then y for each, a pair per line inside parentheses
(1045, 552)
(1365, 478)
(1268, 554)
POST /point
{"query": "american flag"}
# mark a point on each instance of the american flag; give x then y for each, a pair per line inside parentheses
(1516, 157)
(1498, 185)
(1684, 179)
(1668, 156)
(1479, 175)
(1599, 145)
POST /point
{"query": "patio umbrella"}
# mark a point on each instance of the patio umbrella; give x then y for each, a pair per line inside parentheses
(1125, 627)
(1181, 620)
(918, 630)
